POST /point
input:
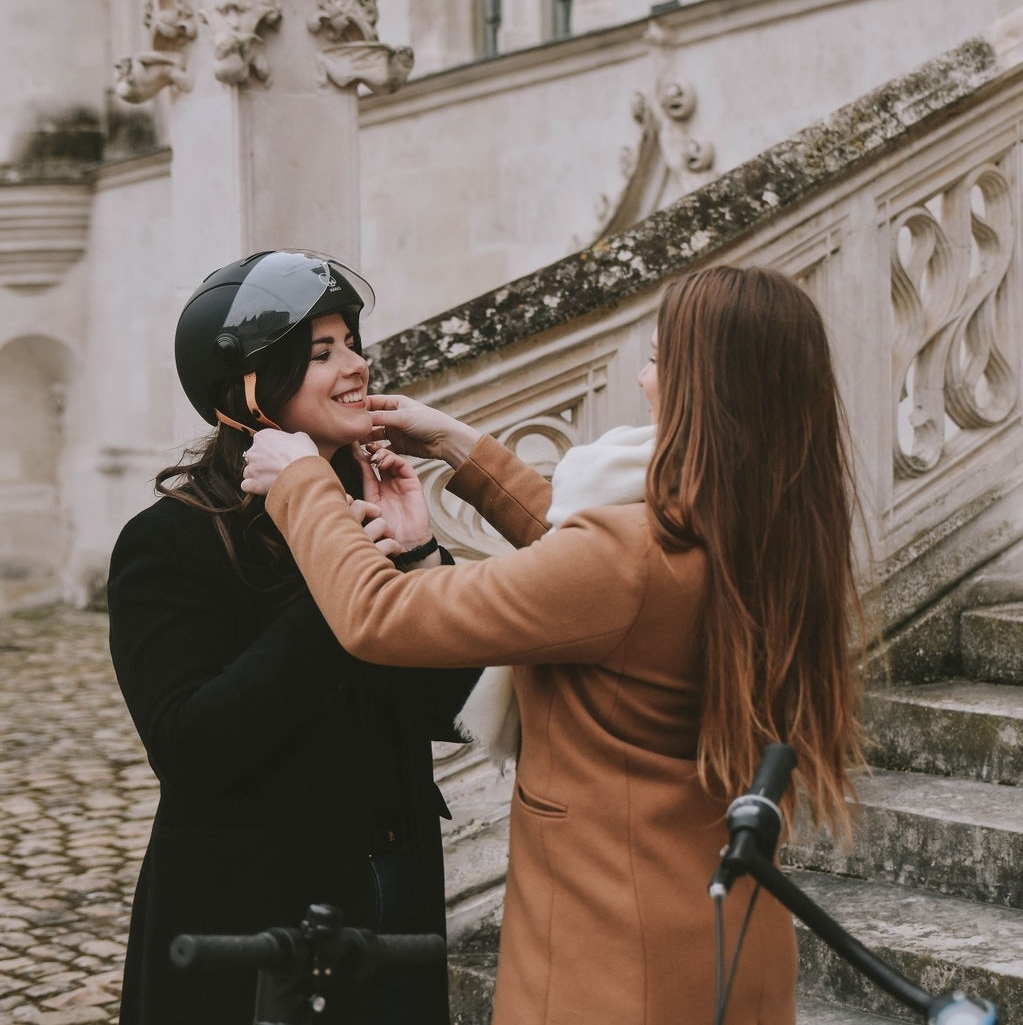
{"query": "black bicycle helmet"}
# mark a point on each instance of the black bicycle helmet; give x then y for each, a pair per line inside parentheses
(240, 310)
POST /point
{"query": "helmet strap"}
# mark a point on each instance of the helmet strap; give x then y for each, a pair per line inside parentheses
(225, 419)
(250, 401)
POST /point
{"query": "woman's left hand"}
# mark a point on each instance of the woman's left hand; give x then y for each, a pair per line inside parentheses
(271, 451)
(388, 481)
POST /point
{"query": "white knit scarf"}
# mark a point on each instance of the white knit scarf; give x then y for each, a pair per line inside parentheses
(609, 471)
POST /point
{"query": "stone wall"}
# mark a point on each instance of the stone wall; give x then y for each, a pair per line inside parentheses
(470, 179)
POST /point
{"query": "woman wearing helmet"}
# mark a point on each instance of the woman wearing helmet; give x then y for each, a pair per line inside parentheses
(290, 772)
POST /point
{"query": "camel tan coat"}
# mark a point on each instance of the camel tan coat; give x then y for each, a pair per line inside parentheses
(607, 920)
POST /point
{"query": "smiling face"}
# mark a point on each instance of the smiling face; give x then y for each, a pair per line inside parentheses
(648, 380)
(330, 405)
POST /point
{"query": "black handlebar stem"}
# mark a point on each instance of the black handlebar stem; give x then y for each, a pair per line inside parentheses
(949, 1009)
(754, 825)
(754, 819)
(773, 773)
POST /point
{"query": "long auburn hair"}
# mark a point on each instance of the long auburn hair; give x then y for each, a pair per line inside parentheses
(752, 464)
(208, 475)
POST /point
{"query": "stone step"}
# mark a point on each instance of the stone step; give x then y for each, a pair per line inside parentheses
(992, 643)
(958, 727)
(475, 839)
(471, 986)
(955, 836)
(816, 1012)
(939, 943)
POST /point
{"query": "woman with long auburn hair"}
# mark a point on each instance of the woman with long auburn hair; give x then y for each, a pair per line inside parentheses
(751, 463)
(679, 598)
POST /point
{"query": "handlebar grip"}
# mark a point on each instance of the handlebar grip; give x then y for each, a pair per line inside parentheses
(270, 949)
(426, 948)
(772, 776)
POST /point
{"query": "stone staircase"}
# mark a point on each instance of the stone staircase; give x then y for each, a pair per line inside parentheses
(933, 880)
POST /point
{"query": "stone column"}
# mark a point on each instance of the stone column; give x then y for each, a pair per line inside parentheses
(263, 122)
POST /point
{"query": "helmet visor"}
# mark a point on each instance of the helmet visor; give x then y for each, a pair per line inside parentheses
(280, 291)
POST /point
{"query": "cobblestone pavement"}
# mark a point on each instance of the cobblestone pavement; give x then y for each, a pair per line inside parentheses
(76, 802)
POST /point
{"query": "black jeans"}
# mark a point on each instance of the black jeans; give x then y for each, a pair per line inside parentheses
(392, 985)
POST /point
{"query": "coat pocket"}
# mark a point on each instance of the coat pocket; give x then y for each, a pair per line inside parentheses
(540, 805)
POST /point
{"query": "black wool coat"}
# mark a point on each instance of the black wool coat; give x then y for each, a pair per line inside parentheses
(288, 769)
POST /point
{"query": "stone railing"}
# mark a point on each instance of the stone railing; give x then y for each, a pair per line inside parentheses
(900, 214)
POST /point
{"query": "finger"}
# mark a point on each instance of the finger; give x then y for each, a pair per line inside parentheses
(382, 401)
(389, 546)
(364, 510)
(388, 417)
(393, 465)
(370, 474)
(250, 487)
(378, 529)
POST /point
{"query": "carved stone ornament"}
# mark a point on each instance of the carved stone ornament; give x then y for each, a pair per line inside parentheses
(346, 21)
(949, 261)
(677, 100)
(382, 68)
(169, 21)
(234, 28)
(359, 57)
(666, 162)
(141, 76)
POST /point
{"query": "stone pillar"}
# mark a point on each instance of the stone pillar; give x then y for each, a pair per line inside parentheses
(266, 151)
(263, 122)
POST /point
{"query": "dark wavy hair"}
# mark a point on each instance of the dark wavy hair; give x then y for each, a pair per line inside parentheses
(751, 463)
(208, 475)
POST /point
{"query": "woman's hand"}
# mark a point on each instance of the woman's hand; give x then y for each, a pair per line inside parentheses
(271, 451)
(377, 529)
(415, 429)
(390, 484)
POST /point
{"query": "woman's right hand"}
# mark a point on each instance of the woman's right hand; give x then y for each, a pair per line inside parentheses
(415, 429)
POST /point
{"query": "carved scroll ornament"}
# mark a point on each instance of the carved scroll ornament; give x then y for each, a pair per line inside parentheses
(459, 527)
(666, 163)
(949, 259)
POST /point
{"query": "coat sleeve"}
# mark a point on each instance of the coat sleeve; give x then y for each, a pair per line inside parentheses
(569, 597)
(212, 694)
(511, 496)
